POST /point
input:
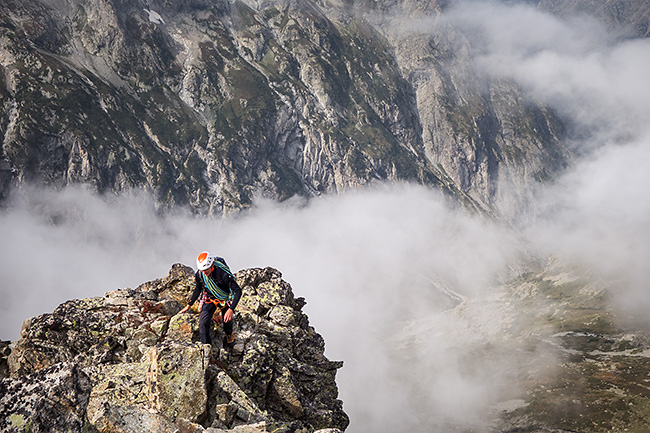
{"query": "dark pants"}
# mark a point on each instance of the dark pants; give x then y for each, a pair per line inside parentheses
(205, 322)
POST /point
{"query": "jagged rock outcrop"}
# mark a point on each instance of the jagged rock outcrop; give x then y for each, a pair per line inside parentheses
(125, 362)
(5, 350)
(52, 399)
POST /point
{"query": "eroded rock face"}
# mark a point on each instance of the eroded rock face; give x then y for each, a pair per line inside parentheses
(126, 363)
(209, 104)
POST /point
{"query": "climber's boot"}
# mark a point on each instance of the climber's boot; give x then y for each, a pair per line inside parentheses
(229, 341)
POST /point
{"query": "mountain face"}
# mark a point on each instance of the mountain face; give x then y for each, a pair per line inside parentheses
(126, 362)
(210, 104)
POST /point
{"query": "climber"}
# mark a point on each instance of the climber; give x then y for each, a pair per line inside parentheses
(219, 290)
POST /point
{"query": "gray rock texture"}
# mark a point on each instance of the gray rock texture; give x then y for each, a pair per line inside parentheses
(630, 18)
(212, 104)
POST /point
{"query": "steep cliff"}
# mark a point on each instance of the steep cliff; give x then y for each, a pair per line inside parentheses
(211, 104)
(125, 362)
(492, 140)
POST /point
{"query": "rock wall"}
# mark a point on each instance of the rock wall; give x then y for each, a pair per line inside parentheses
(125, 362)
(209, 104)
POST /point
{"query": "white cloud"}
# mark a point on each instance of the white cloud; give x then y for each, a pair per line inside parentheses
(363, 260)
(598, 215)
(572, 64)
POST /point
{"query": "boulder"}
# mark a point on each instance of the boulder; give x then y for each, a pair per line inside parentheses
(183, 327)
(177, 285)
(131, 419)
(109, 329)
(176, 379)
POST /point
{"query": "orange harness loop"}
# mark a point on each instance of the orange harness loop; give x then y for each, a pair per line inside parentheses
(217, 303)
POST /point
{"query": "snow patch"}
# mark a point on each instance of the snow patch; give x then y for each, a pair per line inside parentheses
(154, 17)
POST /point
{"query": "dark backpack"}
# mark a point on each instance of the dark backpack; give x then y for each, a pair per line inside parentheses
(221, 263)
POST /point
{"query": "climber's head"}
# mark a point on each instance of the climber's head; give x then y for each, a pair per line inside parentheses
(204, 261)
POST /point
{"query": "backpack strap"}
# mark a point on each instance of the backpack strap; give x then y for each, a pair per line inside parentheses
(221, 263)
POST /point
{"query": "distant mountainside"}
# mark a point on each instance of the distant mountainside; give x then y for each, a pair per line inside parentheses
(210, 104)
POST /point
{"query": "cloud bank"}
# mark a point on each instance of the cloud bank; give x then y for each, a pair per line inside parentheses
(72, 243)
(597, 214)
(596, 79)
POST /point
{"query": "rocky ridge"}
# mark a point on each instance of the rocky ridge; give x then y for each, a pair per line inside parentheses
(125, 362)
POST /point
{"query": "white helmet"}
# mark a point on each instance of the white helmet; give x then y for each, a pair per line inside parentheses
(204, 261)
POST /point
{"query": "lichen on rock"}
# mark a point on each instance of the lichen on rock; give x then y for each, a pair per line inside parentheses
(52, 399)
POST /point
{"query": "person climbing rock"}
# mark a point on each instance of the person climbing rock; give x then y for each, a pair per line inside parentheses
(219, 290)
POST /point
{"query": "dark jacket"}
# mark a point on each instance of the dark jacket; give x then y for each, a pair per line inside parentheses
(225, 282)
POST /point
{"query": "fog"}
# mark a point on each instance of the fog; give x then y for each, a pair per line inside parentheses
(595, 78)
(382, 267)
(597, 214)
(368, 262)
(71, 243)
